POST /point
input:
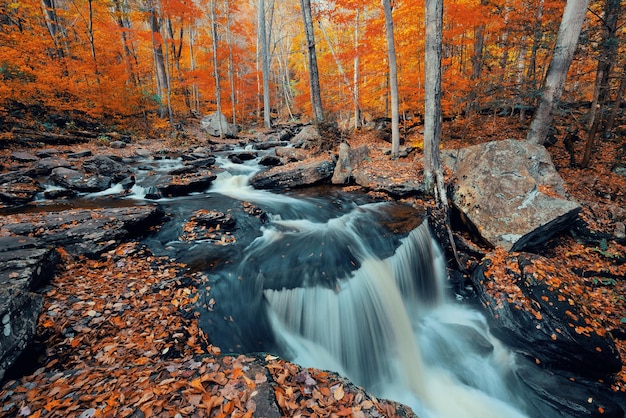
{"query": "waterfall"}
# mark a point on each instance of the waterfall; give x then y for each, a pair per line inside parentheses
(389, 327)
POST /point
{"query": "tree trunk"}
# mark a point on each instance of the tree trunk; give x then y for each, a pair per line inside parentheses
(231, 63)
(567, 39)
(617, 103)
(355, 74)
(265, 59)
(606, 59)
(393, 81)
(159, 61)
(216, 69)
(314, 77)
(531, 75)
(433, 172)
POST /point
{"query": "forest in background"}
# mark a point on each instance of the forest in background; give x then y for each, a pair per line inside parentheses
(160, 62)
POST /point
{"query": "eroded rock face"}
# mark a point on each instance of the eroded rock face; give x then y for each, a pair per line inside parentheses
(510, 193)
(537, 312)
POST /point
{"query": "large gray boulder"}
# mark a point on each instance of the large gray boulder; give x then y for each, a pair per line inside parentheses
(211, 124)
(296, 174)
(510, 193)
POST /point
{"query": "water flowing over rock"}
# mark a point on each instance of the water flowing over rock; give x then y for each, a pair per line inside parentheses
(533, 311)
(217, 125)
(510, 193)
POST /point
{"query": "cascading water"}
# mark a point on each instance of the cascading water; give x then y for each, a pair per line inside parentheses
(326, 285)
(337, 281)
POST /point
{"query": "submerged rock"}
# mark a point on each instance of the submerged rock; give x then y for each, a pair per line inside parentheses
(510, 193)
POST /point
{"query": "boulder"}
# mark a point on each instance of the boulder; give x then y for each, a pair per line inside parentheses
(26, 269)
(75, 180)
(45, 166)
(183, 184)
(380, 182)
(19, 192)
(217, 125)
(347, 160)
(291, 154)
(19, 312)
(23, 157)
(509, 192)
(87, 232)
(535, 311)
(106, 167)
(296, 174)
(307, 137)
(270, 161)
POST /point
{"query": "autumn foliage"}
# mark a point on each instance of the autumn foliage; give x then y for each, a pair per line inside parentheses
(102, 58)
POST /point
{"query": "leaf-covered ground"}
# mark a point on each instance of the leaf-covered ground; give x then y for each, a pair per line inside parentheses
(121, 338)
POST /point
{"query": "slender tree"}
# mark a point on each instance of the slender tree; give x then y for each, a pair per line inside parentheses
(606, 59)
(567, 39)
(393, 80)
(314, 77)
(216, 68)
(265, 59)
(433, 172)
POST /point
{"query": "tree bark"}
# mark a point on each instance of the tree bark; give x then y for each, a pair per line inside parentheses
(606, 59)
(216, 69)
(617, 103)
(433, 172)
(567, 39)
(314, 77)
(265, 59)
(393, 80)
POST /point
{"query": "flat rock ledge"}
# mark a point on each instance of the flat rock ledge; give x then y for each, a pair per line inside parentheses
(29, 257)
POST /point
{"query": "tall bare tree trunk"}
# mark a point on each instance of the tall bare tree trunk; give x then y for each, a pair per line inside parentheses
(314, 76)
(617, 103)
(231, 63)
(159, 61)
(265, 59)
(531, 75)
(433, 172)
(355, 74)
(216, 69)
(606, 59)
(393, 80)
(567, 39)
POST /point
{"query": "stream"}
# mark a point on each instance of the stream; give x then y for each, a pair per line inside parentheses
(338, 281)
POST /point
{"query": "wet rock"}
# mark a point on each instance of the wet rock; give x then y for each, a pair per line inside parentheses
(19, 192)
(243, 156)
(184, 184)
(45, 166)
(80, 154)
(510, 193)
(75, 180)
(106, 167)
(270, 161)
(23, 157)
(533, 311)
(203, 162)
(297, 174)
(26, 269)
(59, 194)
(269, 144)
(19, 312)
(212, 219)
(381, 183)
(567, 396)
(87, 232)
(153, 193)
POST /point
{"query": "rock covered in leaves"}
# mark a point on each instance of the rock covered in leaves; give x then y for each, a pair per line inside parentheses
(84, 231)
(510, 193)
(534, 308)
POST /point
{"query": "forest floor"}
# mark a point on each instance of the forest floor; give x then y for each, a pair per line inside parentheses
(121, 338)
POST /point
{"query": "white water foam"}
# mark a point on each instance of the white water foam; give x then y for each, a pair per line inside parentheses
(395, 333)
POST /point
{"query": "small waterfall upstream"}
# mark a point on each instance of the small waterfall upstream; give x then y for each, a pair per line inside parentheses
(338, 281)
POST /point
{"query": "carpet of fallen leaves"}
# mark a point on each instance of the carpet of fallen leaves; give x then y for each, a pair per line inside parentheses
(122, 340)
